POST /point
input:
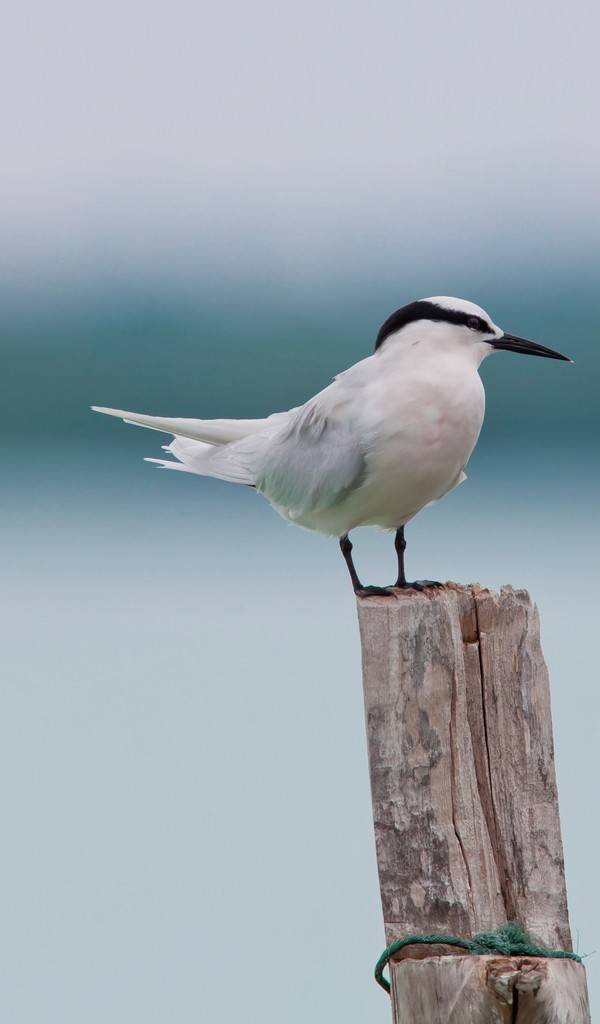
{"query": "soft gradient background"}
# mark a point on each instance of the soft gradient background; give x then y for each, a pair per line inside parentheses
(209, 211)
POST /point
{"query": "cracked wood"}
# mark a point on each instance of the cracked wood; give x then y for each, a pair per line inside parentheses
(465, 806)
(462, 770)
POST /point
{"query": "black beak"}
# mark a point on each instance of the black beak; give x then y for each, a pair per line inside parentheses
(527, 348)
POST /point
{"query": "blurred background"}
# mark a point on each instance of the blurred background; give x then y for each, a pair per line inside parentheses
(209, 211)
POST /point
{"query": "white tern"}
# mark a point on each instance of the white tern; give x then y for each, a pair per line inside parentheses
(390, 435)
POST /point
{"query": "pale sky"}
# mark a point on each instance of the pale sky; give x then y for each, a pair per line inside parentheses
(155, 134)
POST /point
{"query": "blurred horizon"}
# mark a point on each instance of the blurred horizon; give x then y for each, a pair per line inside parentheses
(249, 348)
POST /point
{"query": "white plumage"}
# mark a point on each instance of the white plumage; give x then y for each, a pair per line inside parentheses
(389, 436)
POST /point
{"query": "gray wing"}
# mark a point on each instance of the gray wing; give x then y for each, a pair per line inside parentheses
(312, 463)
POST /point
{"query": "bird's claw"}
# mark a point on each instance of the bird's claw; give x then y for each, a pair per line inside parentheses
(374, 592)
(419, 585)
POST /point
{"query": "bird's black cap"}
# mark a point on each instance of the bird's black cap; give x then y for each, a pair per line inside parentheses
(423, 309)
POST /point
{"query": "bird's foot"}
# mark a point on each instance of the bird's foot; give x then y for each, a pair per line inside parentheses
(419, 585)
(374, 591)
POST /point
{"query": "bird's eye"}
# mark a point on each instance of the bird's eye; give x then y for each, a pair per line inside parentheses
(473, 323)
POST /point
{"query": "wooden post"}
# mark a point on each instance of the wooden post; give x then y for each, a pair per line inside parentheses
(465, 805)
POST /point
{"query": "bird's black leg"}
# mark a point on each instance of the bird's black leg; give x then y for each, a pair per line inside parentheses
(400, 545)
(401, 582)
(346, 549)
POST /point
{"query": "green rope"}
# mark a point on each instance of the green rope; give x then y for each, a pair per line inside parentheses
(509, 940)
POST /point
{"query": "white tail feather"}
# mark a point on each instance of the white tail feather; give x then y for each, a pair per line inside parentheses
(225, 449)
(225, 462)
(169, 464)
(213, 432)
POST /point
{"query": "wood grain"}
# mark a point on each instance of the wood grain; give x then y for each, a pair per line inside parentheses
(465, 805)
(464, 793)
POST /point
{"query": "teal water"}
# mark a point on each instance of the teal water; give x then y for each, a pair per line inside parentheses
(188, 830)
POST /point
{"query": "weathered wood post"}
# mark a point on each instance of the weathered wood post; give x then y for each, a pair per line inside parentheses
(465, 805)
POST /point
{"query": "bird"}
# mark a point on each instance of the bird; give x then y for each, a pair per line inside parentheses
(388, 437)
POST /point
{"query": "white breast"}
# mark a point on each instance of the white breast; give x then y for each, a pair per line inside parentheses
(418, 424)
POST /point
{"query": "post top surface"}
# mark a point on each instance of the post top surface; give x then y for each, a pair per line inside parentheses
(440, 593)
